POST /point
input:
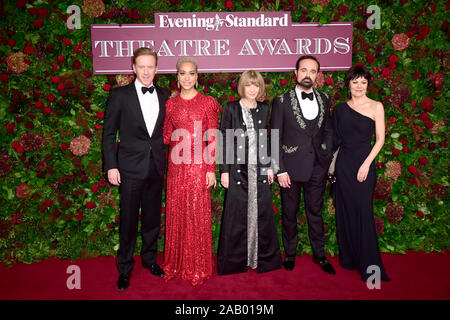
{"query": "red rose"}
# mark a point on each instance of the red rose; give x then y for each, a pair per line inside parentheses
(402, 140)
(11, 42)
(380, 165)
(412, 181)
(229, 4)
(47, 110)
(424, 30)
(47, 203)
(17, 147)
(386, 72)
(50, 97)
(76, 65)
(417, 74)
(329, 81)
(405, 149)
(60, 58)
(102, 183)
(429, 125)
(100, 115)
(420, 214)
(232, 99)
(370, 58)
(10, 127)
(64, 146)
(275, 208)
(283, 82)
(424, 117)
(38, 24)
(60, 86)
(95, 188)
(67, 42)
(107, 87)
(28, 49)
(423, 161)
(43, 13)
(56, 79)
(91, 205)
(97, 126)
(29, 125)
(426, 105)
(233, 85)
(395, 152)
(33, 11)
(393, 59)
(79, 216)
(413, 170)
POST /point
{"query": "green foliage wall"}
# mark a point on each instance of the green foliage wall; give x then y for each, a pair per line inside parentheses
(54, 199)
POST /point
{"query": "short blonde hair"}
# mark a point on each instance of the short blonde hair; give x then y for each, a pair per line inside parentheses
(185, 60)
(251, 77)
(144, 51)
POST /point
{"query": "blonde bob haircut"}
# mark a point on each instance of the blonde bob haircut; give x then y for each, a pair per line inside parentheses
(251, 77)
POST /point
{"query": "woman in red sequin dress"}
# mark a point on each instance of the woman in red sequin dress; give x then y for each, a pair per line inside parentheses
(189, 129)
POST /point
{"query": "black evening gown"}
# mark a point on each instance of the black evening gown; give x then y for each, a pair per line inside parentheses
(355, 225)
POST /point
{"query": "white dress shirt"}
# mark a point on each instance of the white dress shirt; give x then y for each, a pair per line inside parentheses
(310, 109)
(149, 105)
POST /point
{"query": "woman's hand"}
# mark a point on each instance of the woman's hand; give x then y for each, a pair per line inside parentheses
(363, 172)
(270, 176)
(210, 180)
(225, 179)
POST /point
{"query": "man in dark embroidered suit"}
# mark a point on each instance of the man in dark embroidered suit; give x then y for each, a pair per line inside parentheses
(302, 117)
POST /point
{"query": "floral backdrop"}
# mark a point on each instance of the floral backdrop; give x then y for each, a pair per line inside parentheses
(54, 198)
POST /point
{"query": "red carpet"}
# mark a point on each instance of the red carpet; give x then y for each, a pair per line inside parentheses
(416, 275)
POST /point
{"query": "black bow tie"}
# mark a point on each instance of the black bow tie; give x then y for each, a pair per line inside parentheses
(307, 95)
(145, 89)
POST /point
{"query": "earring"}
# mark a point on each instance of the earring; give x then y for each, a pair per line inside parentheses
(178, 84)
(196, 84)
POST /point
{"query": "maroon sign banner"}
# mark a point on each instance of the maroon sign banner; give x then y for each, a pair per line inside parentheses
(223, 42)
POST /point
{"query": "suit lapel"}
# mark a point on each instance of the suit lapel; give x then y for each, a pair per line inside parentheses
(321, 110)
(162, 108)
(135, 106)
(295, 105)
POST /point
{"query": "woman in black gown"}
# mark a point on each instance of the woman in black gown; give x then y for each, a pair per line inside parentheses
(354, 123)
(248, 235)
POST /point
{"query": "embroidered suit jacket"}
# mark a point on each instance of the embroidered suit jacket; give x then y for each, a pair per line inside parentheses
(300, 145)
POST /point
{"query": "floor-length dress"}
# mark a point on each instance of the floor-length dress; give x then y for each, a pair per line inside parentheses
(355, 225)
(248, 234)
(188, 245)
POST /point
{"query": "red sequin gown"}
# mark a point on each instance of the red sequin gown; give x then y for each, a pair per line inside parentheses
(188, 246)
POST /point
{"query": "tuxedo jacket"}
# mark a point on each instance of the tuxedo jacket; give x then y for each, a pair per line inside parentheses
(300, 145)
(124, 115)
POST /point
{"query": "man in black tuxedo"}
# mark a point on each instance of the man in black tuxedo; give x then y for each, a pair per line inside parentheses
(302, 117)
(137, 112)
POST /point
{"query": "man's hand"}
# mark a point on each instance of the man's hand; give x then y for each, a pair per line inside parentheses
(284, 180)
(114, 176)
(225, 179)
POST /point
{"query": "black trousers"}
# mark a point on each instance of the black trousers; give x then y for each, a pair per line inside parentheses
(313, 193)
(146, 195)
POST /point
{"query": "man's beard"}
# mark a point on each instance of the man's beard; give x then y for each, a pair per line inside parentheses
(306, 84)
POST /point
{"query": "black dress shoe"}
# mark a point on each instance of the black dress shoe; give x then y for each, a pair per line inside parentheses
(324, 264)
(156, 270)
(289, 263)
(124, 281)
